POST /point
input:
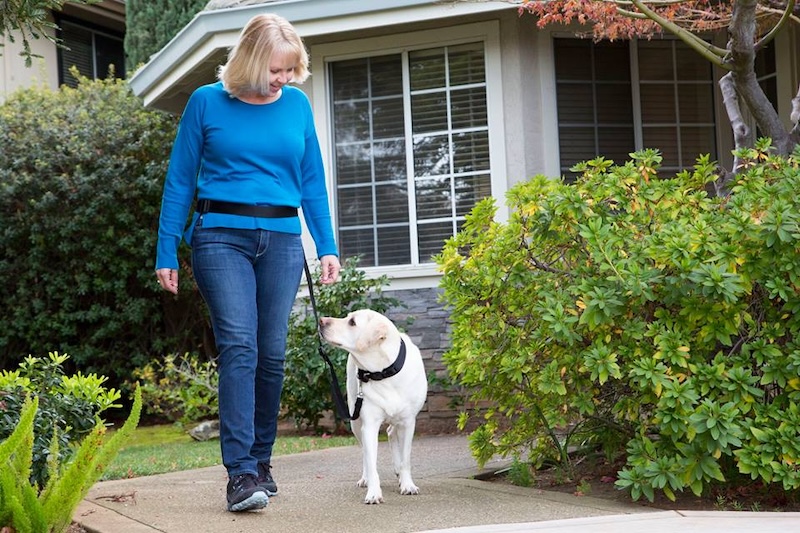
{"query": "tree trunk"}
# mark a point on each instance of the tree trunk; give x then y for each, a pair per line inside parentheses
(742, 31)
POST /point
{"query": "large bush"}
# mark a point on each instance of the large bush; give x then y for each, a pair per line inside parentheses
(640, 316)
(81, 172)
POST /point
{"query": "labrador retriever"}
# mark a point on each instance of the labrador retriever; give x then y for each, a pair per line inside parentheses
(386, 379)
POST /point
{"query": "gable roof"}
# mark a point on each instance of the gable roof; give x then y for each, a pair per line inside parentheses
(190, 59)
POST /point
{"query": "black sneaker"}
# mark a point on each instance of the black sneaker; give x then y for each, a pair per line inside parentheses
(244, 494)
(265, 480)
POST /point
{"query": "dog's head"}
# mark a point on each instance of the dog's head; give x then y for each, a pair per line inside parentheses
(360, 333)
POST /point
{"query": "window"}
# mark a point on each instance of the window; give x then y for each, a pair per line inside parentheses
(91, 51)
(617, 97)
(411, 150)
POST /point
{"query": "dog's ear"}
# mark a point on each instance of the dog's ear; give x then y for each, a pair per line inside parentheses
(372, 336)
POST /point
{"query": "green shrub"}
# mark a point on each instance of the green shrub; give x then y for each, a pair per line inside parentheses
(180, 389)
(640, 316)
(81, 173)
(26, 509)
(306, 392)
(68, 407)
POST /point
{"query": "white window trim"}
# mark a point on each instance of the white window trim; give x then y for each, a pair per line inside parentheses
(425, 275)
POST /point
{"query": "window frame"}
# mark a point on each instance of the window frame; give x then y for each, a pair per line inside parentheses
(420, 274)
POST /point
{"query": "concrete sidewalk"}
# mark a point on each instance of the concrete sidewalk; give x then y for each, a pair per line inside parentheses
(317, 493)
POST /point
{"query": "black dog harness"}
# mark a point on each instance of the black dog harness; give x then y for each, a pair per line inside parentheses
(364, 376)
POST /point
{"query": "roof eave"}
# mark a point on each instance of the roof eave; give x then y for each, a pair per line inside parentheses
(209, 31)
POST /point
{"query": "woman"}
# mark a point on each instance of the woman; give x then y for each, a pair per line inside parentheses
(247, 149)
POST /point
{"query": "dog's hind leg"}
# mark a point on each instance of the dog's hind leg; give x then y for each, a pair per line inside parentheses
(394, 446)
(402, 443)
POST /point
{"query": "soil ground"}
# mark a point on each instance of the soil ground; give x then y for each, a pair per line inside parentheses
(597, 480)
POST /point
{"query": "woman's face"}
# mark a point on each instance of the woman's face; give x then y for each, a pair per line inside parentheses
(281, 71)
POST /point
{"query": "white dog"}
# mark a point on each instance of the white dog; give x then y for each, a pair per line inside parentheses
(386, 377)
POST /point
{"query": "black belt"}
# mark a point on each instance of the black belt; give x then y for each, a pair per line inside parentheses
(233, 208)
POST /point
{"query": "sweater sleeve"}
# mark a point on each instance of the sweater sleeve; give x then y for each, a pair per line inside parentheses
(180, 183)
(316, 209)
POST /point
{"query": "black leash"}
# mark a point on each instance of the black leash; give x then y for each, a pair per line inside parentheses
(338, 400)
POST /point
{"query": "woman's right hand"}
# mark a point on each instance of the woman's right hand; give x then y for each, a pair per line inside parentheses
(168, 279)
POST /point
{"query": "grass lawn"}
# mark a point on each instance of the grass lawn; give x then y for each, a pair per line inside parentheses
(168, 448)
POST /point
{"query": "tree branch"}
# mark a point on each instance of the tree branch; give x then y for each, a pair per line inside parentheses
(778, 27)
(707, 50)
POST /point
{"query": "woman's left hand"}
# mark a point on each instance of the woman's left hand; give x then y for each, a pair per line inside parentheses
(329, 268)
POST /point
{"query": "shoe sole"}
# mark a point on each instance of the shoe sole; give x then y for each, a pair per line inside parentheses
(258, 500)
(270, 493)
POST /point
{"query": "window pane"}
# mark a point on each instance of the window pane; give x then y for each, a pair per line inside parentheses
(690, 65)
(355, 206)
(387, 118)
(576, 145)
(470, 190)
(614, 103)
(658, 103)
(352, 79)
(392, 199)
(390, 161)
(431, 239)
(352, 163)
(468, 108)
(471, 151)
(573, 59)
(434, 198)
(655, 60)
(358, 242)
(78, 53)
(612, 61)
(466, 64)
(665, 140)
(696, 103)
(695, 142)
(351, 121)
(575, 103)
(109, 52)
(431, 155)
(427, 69)
(386, 76)
(429, 112)
(616, 143)
(394, 246)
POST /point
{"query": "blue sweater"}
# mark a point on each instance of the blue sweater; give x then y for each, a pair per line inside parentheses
(229, 150)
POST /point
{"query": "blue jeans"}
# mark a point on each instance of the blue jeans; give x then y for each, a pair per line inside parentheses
(249, 280)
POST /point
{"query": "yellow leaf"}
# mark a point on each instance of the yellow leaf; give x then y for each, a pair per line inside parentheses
(684, 349)
(580, 304)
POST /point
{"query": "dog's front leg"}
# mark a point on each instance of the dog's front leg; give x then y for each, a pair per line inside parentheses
(369, 446)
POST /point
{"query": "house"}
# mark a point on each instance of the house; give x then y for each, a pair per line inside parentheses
(93, 37)
(424, 107)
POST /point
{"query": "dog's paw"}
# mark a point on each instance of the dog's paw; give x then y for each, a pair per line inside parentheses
(373, 498)
(361, 482)
(409, 488)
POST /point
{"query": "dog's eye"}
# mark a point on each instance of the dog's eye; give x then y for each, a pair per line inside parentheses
(352, 321)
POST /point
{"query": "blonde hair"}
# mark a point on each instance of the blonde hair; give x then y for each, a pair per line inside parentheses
(247, 70)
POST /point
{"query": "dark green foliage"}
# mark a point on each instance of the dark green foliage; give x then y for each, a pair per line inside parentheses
(638, 316)
(69, 407)
(151, 24)
(306, 391)
(81, 172)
